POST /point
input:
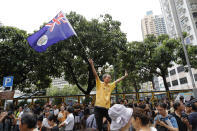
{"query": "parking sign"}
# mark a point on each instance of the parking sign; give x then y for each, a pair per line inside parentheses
(8, 81)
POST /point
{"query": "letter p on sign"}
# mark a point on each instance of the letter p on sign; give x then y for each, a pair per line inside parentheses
(8, 81)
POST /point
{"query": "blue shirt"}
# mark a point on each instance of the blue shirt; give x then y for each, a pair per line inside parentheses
(169, 117)
(193, 120)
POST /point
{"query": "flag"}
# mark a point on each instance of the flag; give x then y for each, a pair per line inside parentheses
(56, 30)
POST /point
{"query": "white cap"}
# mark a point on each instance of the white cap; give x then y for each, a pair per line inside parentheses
(120, 116)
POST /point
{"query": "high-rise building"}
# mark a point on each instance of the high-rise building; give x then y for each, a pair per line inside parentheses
(184, 12)
(160, 26)
(151, 24)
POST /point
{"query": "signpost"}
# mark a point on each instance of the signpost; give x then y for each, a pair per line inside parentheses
(7, 89)
(8, 82)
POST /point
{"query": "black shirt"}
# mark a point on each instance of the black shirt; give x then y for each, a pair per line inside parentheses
(55, 128)
(182, 126)
(42, 129)
(193, 120)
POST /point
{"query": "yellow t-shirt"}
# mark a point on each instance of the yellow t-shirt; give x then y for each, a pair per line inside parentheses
(103, 93)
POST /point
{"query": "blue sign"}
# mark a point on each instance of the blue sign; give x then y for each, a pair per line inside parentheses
(8, 81)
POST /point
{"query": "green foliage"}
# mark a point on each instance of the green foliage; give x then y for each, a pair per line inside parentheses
(192, 55)
(149, 58)
(101, 38)
(67, 90)
(103, 41)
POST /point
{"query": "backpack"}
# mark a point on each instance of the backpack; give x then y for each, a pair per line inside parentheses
(162, 128)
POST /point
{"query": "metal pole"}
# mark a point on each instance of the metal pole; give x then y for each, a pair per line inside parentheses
(115, 79)
(183, 43)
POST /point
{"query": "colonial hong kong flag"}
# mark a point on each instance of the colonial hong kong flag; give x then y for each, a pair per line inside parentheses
(57, 29)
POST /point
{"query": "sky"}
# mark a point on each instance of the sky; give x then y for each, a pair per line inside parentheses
(30, 14)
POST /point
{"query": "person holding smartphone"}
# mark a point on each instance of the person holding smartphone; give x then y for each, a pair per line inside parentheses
(181, 117)
(164, 121)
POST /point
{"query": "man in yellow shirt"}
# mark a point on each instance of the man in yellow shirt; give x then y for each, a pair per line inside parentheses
(103, 95)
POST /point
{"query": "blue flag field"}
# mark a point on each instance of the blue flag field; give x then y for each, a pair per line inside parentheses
(56, 30)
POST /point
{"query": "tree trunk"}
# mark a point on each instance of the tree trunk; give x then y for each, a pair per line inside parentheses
(74, 77)
(91, 81)
(153, 84)
(136, 90)
(166, 85)
(165, 82)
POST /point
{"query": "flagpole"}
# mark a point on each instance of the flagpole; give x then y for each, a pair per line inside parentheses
(86, 54)
(84, 49)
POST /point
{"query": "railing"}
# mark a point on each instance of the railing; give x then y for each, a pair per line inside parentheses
(137, 96)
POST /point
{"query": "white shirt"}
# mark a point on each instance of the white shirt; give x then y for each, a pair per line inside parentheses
(19, 117)
(56, 111)
(152, 129)
(45, 123)
(69, 122)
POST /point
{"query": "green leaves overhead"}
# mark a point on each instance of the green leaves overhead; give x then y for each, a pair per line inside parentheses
(102, 39)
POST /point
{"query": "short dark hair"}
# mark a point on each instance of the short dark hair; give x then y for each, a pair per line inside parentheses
(162, 105)
(181, 97)
(87, 111)
(70, 109)
(28, 119)
(52, 118)
(194, 106)
(176, 105)
(140, 113)
(40, 118)
(143, 106)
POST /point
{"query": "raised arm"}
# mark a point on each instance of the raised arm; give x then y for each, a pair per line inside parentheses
(121, 78)
(93, 69)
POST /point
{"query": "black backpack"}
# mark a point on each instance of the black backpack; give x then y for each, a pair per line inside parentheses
(162, 128)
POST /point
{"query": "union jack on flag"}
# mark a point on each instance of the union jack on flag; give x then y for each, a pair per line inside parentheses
(60, 18)
(59, 28)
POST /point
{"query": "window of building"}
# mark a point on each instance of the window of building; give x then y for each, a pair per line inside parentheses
(172, 72)
(195, 14)
(180, 69)
(183, 80)
(175, 82)
(169, 84)
(195, 77)
(196, 24)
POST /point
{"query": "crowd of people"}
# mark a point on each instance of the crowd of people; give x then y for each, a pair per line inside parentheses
(133, 116)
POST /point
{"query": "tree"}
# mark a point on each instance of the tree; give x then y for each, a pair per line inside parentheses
(163, 55)
(192, 55)
(151, 58)
(135, 60)
(18, 59)
(101, 39)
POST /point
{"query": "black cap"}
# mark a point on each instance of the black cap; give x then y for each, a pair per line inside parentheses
(188, 104)
(194, 100)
